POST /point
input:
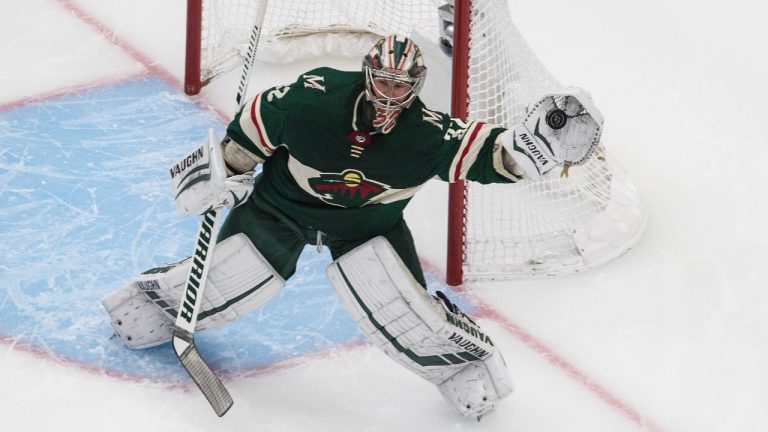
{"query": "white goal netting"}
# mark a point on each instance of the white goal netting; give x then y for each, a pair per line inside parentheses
(548, 226)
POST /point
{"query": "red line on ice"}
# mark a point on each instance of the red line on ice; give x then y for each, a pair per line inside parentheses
(56, 358)
(485, 311)
(565, 366)
(64, 91)
(183, 384)
(154, 68)
(109, 34)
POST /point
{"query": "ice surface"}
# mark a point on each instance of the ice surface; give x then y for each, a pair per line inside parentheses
(668, 338)
(87, 206)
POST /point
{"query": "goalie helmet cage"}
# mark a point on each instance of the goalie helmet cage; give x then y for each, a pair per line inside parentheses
(548, 226)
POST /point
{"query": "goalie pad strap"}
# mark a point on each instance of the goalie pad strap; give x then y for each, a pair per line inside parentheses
(143, 311)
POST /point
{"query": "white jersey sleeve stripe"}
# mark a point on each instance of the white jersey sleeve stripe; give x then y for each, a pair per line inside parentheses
(470, 147)
(253, 127)
(256, 118)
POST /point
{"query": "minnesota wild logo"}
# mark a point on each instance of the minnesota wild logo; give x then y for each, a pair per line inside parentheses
(348, 189)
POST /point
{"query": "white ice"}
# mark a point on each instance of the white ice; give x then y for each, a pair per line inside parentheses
(669, 337)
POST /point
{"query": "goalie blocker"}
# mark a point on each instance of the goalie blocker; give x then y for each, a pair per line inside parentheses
(200, 180)
(427, 335)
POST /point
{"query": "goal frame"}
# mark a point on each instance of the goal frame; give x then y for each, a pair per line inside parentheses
(539, 227)
(193, 47)
(457, 198)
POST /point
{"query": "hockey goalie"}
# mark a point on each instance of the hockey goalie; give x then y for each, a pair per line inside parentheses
(342, 154)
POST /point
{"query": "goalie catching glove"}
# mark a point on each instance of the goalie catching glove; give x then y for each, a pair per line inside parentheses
(200, 180)
(562, 128)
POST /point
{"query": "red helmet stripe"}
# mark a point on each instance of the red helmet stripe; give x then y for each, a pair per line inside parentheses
(404, 58)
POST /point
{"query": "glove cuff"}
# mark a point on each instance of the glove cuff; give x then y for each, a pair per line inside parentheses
(529, 153)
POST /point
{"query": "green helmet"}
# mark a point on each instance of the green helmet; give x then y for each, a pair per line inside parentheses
(394, 74)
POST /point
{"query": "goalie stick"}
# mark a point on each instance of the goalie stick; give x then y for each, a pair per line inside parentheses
(183, 333)
(184, 327)
(251, 55)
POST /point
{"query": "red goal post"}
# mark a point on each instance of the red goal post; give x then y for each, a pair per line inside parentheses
(543, 227)
(454, 273)
(192, 82)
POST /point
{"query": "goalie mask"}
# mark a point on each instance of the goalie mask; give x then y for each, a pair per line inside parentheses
(394, 73)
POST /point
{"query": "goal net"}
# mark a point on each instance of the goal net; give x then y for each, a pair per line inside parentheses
(548, 226)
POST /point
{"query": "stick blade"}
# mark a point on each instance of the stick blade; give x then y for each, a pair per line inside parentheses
(208, 383)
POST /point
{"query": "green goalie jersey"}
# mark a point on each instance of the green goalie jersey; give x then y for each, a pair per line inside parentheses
(324, 168)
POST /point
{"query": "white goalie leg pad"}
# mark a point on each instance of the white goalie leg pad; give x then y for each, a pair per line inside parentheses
(417, 330)
(143, 311)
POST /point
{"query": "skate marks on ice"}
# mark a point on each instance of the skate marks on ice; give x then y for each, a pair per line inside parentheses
(85, 204)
